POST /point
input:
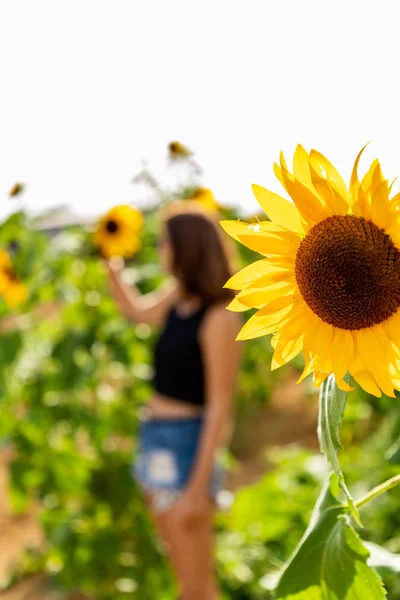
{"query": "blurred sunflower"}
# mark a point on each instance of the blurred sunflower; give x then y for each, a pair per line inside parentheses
(329, 284)
(12, 290)
(118, 231)
(16, 189)
(178, 151)
(205, 199)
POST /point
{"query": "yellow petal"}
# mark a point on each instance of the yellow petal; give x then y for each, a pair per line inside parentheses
(394, 370)
(374, 359)
(366, 181)
(308, 369)
(362, 206)
(392, 328)
(233, 228)
(283, 161)
(342, 350)
(310, 334)
(385, 343)
(309, 204)
(272, 278)
(270, 243)
(236, 228)
(354, 181)
(394, 232)
(278, 174)
(279, 210)
(254, 298)
(301, 167)
(327, 171)
(236, 306)
(284, 262)
(295, 301)
(319, 378)
(249, 274)
(343, 385)
(395, 203)
(380, 205)
(323, 339)
(322, 363)
(367, 382)
(297, 322)
(373, 177)
(366, 193)
(333, 200)
(260, 324)
(286, 350)
(289, 340)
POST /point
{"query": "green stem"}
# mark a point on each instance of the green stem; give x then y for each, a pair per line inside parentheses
(378, 490)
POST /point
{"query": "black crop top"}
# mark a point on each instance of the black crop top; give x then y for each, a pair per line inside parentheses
(178, 363)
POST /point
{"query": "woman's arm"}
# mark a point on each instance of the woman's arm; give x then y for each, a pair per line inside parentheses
(149, 308)
(221, 361)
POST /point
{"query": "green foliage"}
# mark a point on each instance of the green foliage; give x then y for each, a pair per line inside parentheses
(330, 562)
(265, 522)
(71, 391)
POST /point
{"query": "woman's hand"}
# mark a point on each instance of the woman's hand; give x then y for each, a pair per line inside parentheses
(151, 308)
(114, 266)
(191, 508)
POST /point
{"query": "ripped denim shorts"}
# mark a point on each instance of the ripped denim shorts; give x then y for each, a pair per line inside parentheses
(167, 449)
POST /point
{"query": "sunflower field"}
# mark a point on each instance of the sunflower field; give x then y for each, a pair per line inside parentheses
(74, 375)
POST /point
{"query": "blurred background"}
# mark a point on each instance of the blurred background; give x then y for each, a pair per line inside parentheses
(93, 93)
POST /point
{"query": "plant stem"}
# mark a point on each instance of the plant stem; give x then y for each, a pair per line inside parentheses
(378, 490)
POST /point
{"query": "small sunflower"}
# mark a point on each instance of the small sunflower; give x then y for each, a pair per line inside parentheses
(329, 282)
(118, 231)
(12, 290)
(16, 189)
(178, 151)
(205, 199)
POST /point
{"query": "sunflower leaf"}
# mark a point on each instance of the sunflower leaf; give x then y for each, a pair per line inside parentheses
(332, 402)
(330, 562)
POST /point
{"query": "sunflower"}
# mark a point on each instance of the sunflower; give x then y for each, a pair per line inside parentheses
(12, 290)
(205, 199)
(16, 189)
(178, 151)
(329, 282)
(117, 233)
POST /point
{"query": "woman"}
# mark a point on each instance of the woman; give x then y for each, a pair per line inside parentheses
(189, 414)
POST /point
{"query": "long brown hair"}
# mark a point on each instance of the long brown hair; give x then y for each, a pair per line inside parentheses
(200, 259)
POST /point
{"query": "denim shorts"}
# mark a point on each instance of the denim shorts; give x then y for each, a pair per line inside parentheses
(167, 449)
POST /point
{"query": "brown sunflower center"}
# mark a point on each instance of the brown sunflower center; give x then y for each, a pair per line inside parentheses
(348, 272)
(10, 274)
(112, 226)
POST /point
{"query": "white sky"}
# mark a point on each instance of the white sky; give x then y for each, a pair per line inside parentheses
(91, 87)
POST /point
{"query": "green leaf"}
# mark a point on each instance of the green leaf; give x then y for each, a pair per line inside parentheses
(332, 402)
(10, 345)
(393, 454)
(330, 562)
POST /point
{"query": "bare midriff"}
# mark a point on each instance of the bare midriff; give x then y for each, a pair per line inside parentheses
(164, 407)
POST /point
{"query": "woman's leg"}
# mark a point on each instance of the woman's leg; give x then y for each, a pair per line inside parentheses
(191, 554)
(162, 530)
